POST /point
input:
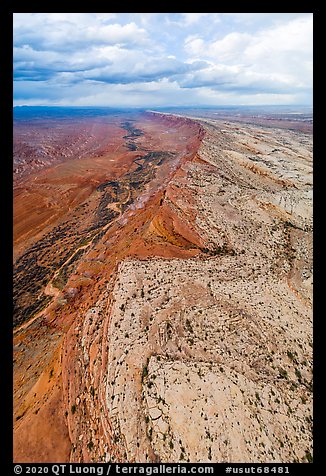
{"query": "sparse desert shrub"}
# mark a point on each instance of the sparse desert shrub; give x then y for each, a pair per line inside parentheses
(309, 456)
(144, 372)
(283, 373)
(90, 445)
(298, 374)
(188, 326)
(290, 355)
(209, 453)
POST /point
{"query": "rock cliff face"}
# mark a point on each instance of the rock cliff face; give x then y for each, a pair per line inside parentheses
(183, 332)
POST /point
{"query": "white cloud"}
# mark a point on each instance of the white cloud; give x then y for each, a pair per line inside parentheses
(227, 49)
(66, 31)
(294, 36)
(186, 58)
(192, 18)
(186, 20)
(112, 64)
(277, 58)
(28, 59)
(261, 20)
(235, 78)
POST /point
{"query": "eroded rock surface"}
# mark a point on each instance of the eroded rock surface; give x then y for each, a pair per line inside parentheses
(192, 338)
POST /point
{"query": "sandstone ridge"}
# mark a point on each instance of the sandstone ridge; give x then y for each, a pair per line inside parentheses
(182, 330)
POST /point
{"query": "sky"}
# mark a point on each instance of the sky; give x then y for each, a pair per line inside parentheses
(162, 59)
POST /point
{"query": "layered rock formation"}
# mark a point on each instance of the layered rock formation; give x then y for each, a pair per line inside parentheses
(182, 330)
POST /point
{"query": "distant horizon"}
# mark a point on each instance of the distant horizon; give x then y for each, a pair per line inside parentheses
(224, 106)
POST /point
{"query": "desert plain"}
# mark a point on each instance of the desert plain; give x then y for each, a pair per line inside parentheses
(162, 287)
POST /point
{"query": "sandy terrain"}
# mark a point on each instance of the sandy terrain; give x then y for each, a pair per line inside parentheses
(183, 332)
